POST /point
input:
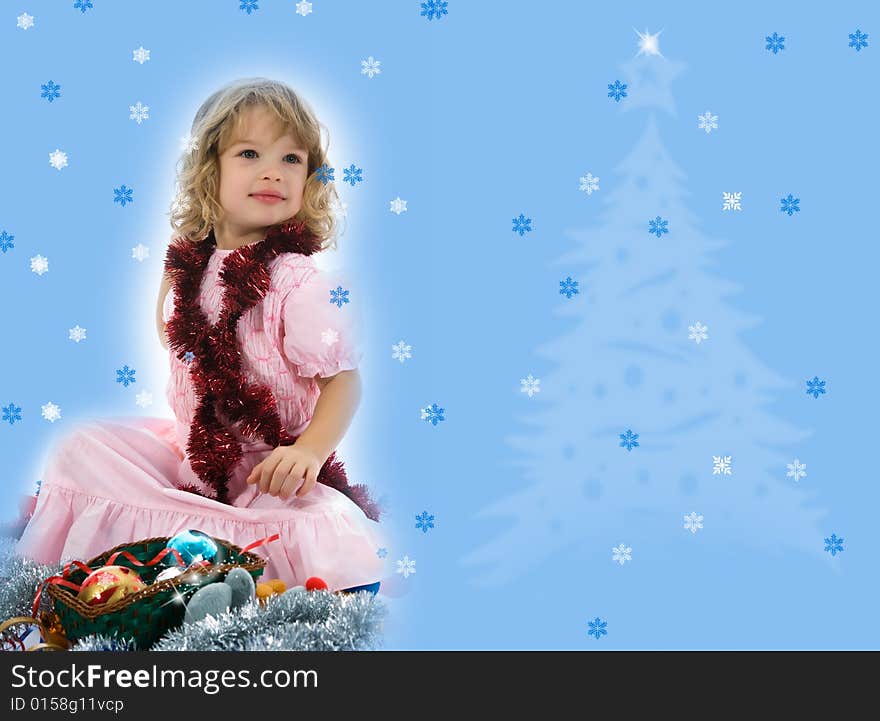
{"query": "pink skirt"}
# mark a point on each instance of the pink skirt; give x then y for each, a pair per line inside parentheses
(109, 483)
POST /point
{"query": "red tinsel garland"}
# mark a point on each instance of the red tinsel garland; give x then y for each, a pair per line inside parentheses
(220, 387)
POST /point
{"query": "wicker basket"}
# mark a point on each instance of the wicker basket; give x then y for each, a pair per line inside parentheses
(146, 615)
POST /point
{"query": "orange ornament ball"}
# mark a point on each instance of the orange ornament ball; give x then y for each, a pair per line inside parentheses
(108, 584)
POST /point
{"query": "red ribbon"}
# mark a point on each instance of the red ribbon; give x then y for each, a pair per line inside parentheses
(269, 539)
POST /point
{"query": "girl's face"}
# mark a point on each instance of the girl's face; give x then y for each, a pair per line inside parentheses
(261, 160)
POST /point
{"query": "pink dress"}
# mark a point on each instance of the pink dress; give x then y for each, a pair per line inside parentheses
(113, 481)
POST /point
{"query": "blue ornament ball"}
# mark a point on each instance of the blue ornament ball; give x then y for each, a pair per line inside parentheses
(193, 546)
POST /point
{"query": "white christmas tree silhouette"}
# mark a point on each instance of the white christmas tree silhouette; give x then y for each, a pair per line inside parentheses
(628, 363)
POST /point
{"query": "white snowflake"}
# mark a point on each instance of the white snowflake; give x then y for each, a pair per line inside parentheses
(141, 55)
(58, 159)
(139, 112)
(144, 399)
(329, 337)
(796, 470)
(698, 332)
(139, 252)
(341, 208)
(732, 201)
(401, 351)
(303, 8)
(621, 554)
(693, 522)
(708, 122)
(721, 465)
(39, 264)
(188, 143)
(398, 206)
(406, 566)
(51, 412)
(589, 183)
(370, 67)
(530, 385)
(25, 21)
(76, 333)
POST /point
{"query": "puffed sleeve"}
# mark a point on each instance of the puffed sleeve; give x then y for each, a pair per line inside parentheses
(321, 325)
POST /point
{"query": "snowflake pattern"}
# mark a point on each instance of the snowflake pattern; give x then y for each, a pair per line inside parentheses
(12, 413)
(76, 334)
(790, 205)
(50, 91)
(424, 521)
(597, 628)
(303, 8)
(39, 264)
(568, 287)
(858, 40)
(530, 385)
(693, 522)
(796, 470)
(658, 226)
(58, 159)
(617, 90)
(721, 466)
(381, 552)
(370, 67)
(406, 566)
(629, 440)
(775, 43)
(329, 337)
(83, 5)
(401, 351)
(139, 112)
(122, 195)
(324, 173)
(834, 545)
(398, 206)
(125, 375)
(189, 357)
(6, 241)
(621, 554)
(522, 225)
(433, 414)
(339, 296)
(352, 175)
(434, 9)
(140, 252)
(815, 387)
(708, 122)
(50, 412)
(589, 184)
(698, 332)
(141, 55)
(249, 6)
(144, 399)
(24, 21)
(732, 201)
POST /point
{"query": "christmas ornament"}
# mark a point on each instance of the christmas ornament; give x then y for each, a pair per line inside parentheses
(224, 397)
(108, 584)
(171, 572)
(194, 547)
(316, 584)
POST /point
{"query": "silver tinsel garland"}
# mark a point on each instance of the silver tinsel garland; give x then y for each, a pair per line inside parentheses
(312, 621)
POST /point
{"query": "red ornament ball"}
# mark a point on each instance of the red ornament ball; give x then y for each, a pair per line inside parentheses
(316, 584)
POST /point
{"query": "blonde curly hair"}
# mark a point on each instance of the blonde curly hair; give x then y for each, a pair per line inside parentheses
(196, 207)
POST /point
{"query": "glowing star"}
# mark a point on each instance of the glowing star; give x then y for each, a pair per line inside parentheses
(648, 43)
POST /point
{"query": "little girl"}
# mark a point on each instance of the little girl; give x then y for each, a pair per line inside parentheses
(264, 380)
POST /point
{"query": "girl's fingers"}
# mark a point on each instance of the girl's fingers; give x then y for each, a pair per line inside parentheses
(282, 470)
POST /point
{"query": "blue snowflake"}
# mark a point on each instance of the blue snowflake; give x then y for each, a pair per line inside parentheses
(815, 387)
(324, 173)
(433, 414)
(522, 225)
(352, 175)
(434, 8)
(424, 521)
(568, 287)
(339, 296)
(125, 375)
(122, 195)
(858, 40)
(790, 205)
(12, 413)
(597, 628)
(617, 90)
(249, 6)
(382, 552)
(834, 545)
(37, 487)
(50, 91)
(6, 241)
(83, 5)
(658, 226)
(628, 439)
(189, 357)
(774, 43)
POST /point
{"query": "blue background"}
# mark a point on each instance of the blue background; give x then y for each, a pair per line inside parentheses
(493, 110)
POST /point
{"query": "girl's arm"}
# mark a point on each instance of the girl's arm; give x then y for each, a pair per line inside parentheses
(160, 321)
(336, 406)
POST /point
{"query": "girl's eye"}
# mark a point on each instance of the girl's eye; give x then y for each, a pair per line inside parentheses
(289, 155)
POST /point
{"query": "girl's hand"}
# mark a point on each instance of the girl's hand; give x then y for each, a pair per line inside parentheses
(287, 470)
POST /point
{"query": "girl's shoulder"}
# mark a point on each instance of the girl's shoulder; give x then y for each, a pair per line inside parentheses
(289, 270)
